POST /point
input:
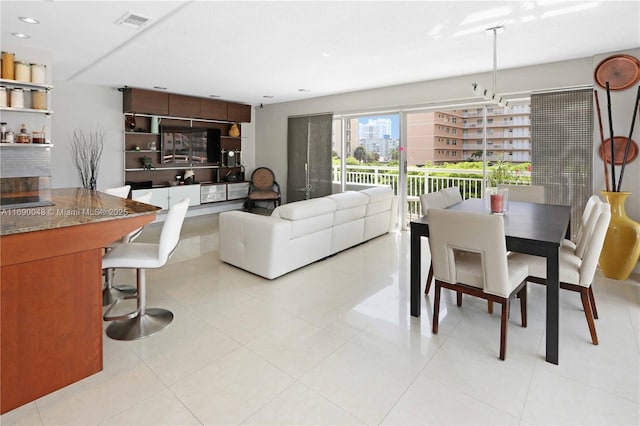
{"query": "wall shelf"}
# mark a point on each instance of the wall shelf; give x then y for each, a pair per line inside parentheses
(38, 111)
(23, 85)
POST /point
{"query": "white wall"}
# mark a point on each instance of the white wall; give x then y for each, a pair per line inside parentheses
(86, 107)
(271, 121)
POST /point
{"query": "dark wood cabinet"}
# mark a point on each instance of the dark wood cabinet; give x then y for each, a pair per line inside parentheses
(213, 109)
(143, 153)
(239, 113)
(141, 101)
(184, 106)
(145, 101)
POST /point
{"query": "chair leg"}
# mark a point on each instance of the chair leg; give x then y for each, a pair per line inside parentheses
(592, 299)
(522, 294)
(110, 293)
(436, 309)
(429, 279)
(586, 305)
(490, 307)
(147, 321)
(503, 329)
(459, 298)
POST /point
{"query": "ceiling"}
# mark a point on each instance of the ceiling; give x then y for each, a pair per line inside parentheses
(268, 52)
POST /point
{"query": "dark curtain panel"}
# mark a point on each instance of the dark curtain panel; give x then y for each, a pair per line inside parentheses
(562, 148)
(309, 157)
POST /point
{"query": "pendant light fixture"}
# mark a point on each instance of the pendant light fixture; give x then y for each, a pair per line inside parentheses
(479, 90)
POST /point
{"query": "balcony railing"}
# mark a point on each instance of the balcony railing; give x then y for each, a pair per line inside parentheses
(421, 180)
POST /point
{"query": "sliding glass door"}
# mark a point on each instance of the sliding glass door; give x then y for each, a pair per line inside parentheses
(365, 151)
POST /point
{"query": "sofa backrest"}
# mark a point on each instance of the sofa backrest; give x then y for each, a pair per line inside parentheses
(380, 199)
(350, 206)
(307, 216)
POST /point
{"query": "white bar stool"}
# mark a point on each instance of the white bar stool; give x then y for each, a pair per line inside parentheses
(144, 321)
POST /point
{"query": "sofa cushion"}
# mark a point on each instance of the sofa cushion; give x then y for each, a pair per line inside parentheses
(378, 193)
(307, 216)
(349, 199)
(380, 199)
(305, 209)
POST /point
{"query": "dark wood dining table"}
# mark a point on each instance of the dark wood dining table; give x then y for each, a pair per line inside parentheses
(530, 228)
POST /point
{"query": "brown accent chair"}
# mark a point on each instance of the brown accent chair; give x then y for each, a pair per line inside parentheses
(263, 187)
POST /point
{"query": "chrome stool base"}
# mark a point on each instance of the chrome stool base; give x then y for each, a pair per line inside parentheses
(152, 321)
(111, 294)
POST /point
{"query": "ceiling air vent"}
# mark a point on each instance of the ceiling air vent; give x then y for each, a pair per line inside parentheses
(133, 20)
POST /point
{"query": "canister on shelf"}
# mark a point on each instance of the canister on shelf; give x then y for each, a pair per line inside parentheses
(39, 99)
(8, 65)
(23, 71)
(17, 98)
(38, 73)
(3, 97)
(38, 137)
(23, 136)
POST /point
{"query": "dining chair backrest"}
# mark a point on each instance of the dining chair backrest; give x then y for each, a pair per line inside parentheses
(586, 229)
(595, 243)
(432, 200)
(170, 234)
(451, 231)
(451, 195)
(526, 193)
(120, 191)
(593, 201)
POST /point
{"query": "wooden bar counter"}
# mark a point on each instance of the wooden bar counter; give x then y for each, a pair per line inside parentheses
(51, 289)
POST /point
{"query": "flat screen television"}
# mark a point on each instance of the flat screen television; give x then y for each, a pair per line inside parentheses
(190, 146)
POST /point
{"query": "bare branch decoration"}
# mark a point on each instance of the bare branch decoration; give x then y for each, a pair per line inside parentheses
(86, 149)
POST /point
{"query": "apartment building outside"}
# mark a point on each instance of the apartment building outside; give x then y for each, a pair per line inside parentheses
(457, 135)
(446, 136)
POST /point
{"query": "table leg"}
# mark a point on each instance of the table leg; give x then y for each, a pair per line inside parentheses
(415, 272)
(553, 304)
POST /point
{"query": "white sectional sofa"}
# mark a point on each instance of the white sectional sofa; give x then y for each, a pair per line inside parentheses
(303, 232)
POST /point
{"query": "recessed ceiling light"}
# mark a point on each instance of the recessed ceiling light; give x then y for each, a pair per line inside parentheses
(304, 90)
(267, 96)
(214, 96)
(29, 20)
(160, 87)
(20, 35)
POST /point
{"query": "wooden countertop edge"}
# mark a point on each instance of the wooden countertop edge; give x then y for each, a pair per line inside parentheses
(29, 246)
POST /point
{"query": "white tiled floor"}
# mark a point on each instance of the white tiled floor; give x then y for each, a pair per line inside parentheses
(333, 343)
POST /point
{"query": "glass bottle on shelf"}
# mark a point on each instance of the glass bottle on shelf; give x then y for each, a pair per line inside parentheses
(10, 137)
(23, 136)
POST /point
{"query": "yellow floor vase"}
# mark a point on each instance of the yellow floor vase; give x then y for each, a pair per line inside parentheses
(621, 249)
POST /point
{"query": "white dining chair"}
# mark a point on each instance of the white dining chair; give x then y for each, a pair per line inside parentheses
(489, 274)
(527, 193)
(144, 321)
(431, 200)
(577, 270)
(592, 202)
(451, 195)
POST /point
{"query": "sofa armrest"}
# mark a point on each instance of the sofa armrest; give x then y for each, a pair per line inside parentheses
(253, 242)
